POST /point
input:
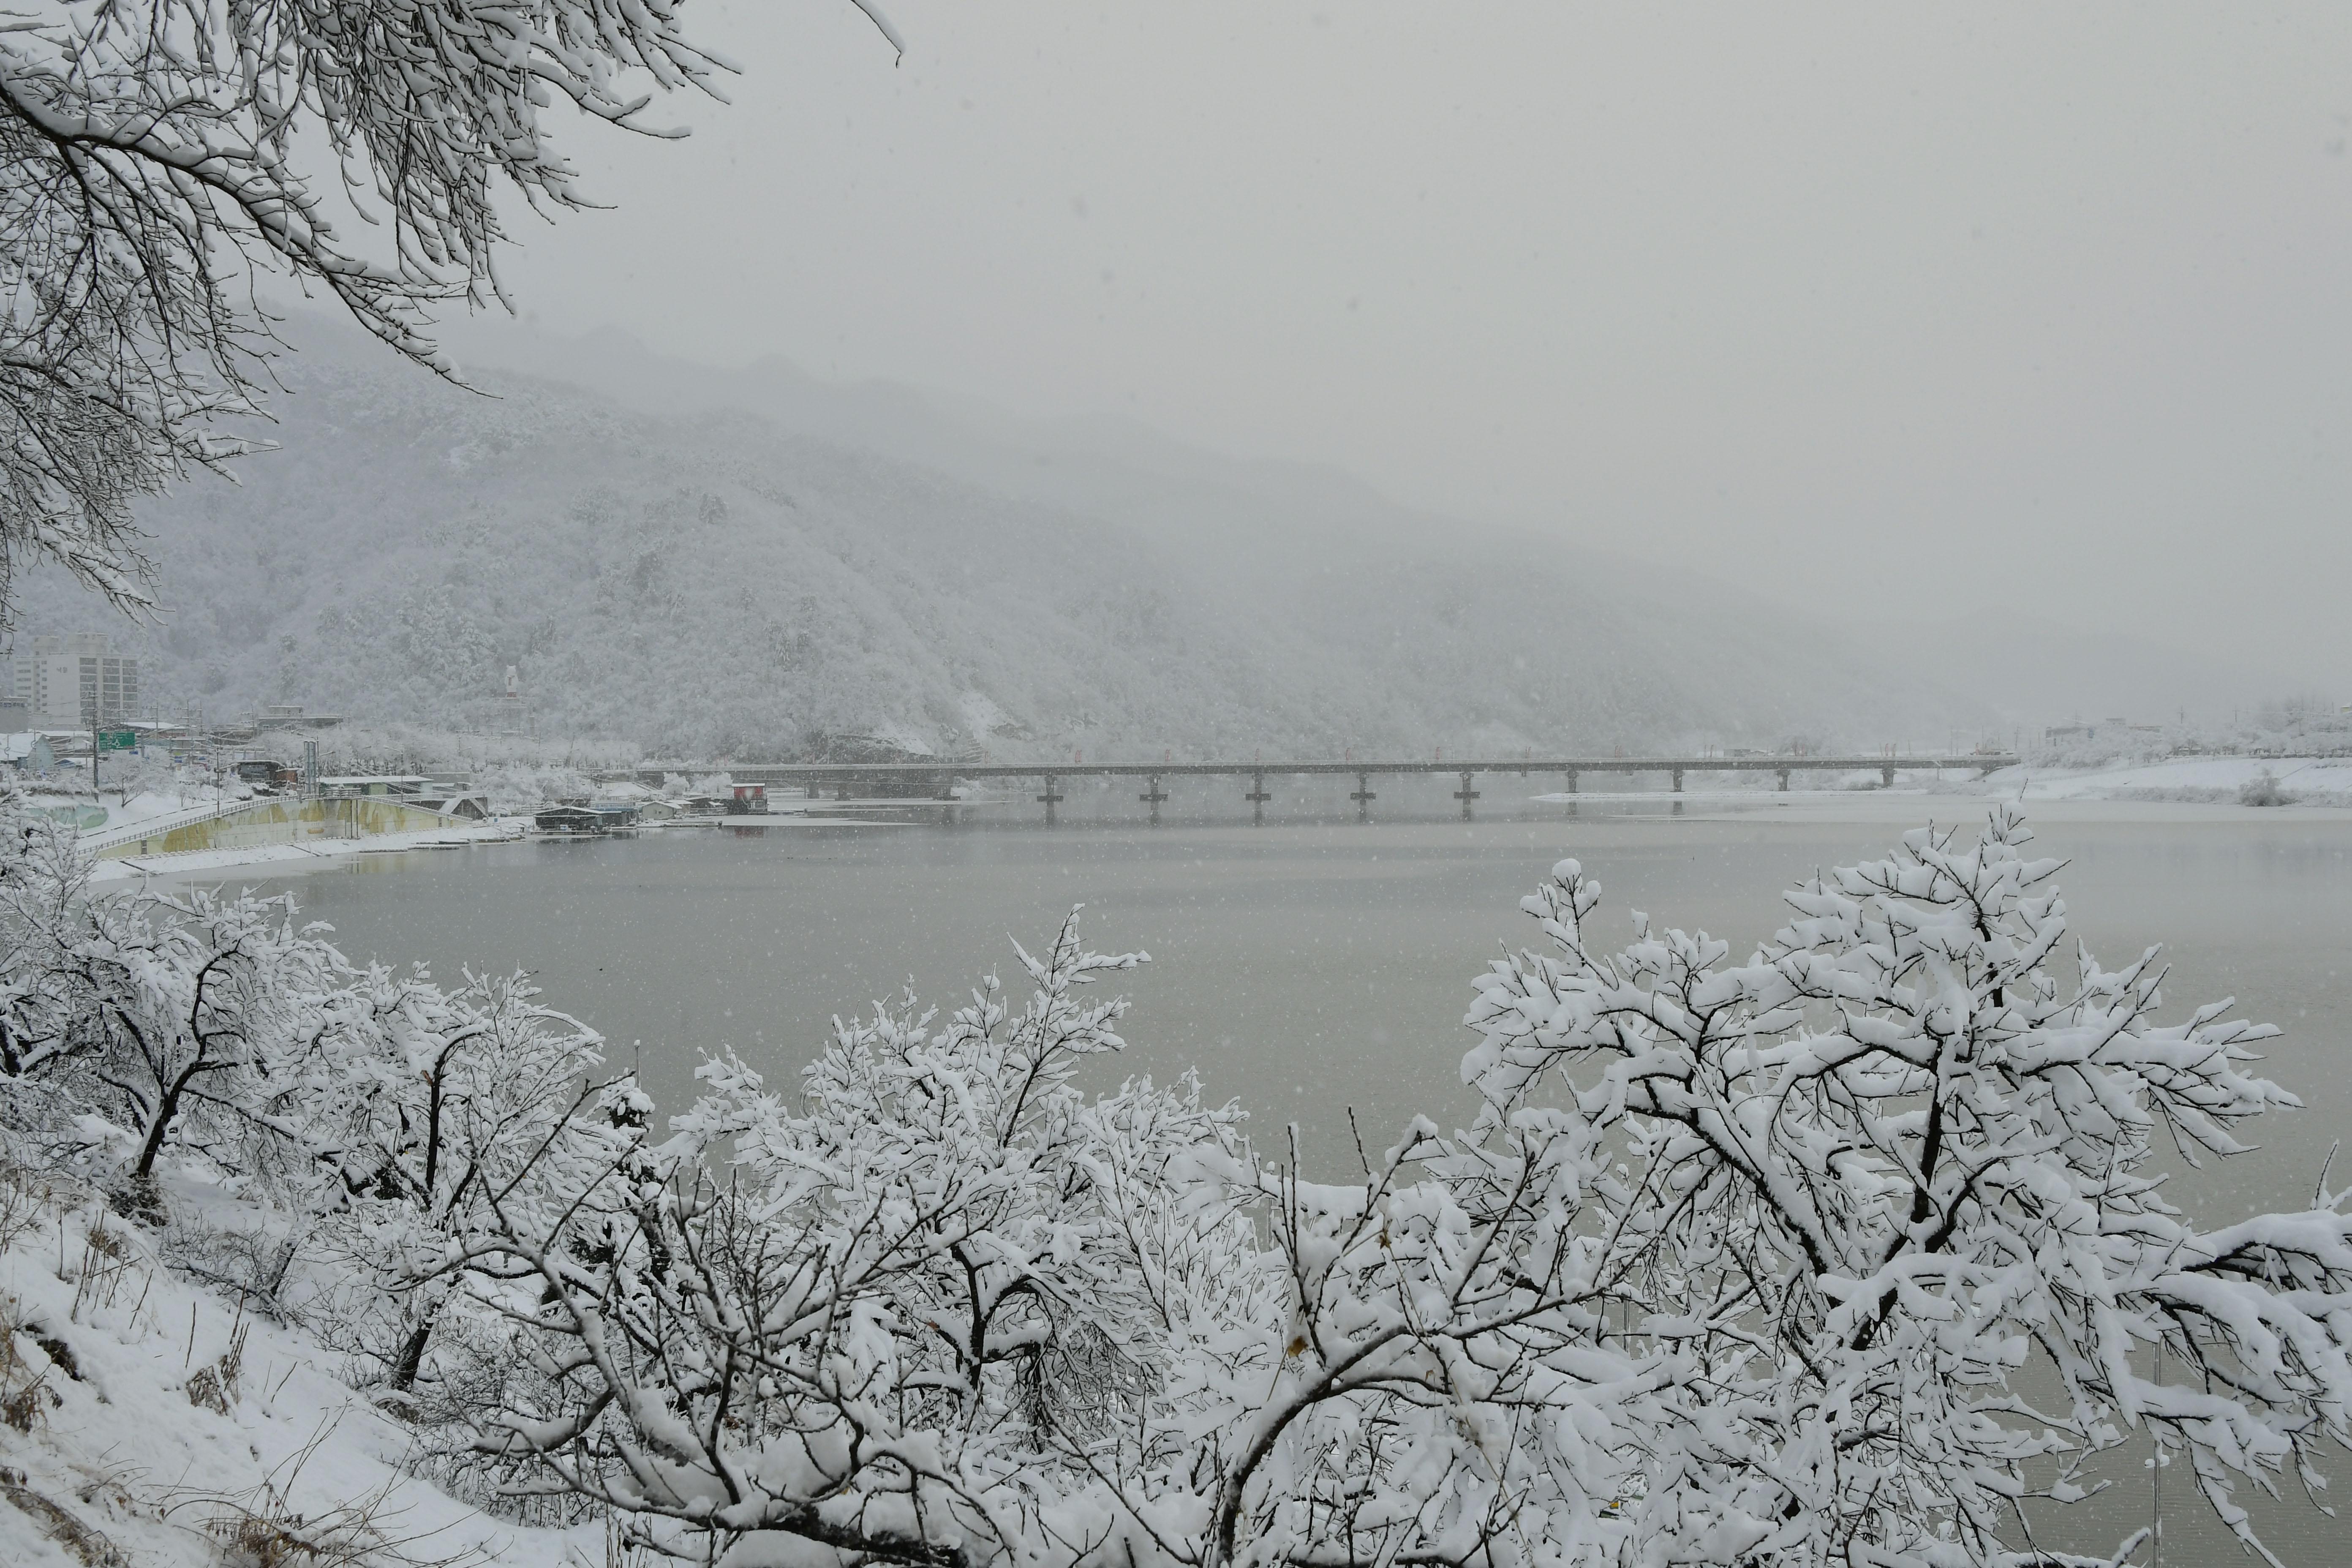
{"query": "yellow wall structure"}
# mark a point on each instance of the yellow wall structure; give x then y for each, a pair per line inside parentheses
(290, 821)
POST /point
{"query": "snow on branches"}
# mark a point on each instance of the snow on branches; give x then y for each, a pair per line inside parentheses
(947, 1309)
(152, 165)
(1858, 1251)
(930, 1313)
(1889, 1191)
(195, 1021)
(1851, 1253)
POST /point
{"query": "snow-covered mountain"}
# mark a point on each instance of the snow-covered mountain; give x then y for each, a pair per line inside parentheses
(707, 582)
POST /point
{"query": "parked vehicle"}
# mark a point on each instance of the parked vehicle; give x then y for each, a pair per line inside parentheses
(264, 774)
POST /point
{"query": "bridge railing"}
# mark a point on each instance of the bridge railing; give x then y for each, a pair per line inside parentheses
(771, 772)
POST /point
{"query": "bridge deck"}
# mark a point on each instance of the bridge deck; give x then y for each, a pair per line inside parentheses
(782, 772)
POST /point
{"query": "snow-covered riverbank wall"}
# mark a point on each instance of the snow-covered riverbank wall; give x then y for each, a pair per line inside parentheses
(251, 824)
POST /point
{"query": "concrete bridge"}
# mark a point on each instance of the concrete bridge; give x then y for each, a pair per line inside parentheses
(934, 780)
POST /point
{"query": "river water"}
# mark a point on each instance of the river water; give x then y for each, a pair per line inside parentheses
(1312, 970)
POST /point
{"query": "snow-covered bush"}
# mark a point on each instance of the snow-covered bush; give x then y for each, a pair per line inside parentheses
(2263, 789)
(1748, 1262)
(134, 774)
(469, 1092)
(947, 1308)
(1860, 1250)
(222, 1030)
(195, 1020)
(923, 1305)
(518, 789)
(1868, 1181)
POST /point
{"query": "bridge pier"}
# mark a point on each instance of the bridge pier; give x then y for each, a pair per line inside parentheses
(1466, 794)
(1257, 797)
(826, 781)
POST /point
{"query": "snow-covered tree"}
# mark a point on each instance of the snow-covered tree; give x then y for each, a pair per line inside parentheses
(42, 879)
(214, 1024)
(470, 1099)
(1891, 1192)
(158, 158)
(210, 1025)
(1852, 1252)
(950, 1310)
(905, 1317)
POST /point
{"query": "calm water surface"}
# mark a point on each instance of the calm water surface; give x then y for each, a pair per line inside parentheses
(1307, 971)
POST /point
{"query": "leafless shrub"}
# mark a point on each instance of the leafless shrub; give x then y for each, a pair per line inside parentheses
(42, 1146)
(26, 1397)
(22, 1195)
(255, 1262)
(477, 1369)
(110, 1265)
(214, 1386)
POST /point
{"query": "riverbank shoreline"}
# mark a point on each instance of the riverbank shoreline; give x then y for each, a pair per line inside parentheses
(282, 858)
(2189, 791)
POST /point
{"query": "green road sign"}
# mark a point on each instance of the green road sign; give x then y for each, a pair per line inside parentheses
(117, 740)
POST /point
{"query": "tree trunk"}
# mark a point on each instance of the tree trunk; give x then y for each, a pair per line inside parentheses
(156, 1132)
(411, 1356)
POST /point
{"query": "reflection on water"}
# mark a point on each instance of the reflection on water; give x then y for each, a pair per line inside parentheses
(1312, 970)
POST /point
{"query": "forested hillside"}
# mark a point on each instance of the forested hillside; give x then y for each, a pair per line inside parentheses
(717, 586)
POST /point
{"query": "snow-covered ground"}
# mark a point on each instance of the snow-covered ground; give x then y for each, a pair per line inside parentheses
(145, 1419)
(2216, 781)
(2318, 781)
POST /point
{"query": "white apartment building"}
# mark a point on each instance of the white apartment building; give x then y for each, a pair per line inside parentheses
(68, 683)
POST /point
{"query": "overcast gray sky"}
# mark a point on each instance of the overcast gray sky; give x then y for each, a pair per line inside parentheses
(1936, 305)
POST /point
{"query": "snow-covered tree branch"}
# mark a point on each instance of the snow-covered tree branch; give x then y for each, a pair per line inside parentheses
(949, 1310)
(1890, 1187)
(156, 161)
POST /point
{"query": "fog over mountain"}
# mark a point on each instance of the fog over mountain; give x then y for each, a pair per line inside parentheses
(2029, 668)
(740, 563)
